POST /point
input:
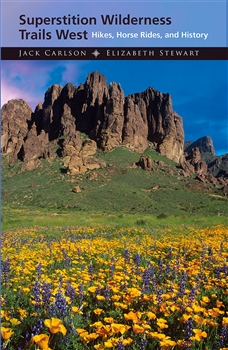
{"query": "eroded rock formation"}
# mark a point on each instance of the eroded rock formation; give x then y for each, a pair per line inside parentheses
(193, 164)
(102, 113)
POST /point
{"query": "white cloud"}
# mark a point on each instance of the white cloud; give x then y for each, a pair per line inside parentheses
(30, 79)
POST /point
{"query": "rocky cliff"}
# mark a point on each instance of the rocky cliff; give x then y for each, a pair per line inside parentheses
(102, 112)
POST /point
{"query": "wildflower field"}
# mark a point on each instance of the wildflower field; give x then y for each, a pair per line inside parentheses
(108, 288)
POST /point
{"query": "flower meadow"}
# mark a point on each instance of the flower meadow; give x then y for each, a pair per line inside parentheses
(108, 288)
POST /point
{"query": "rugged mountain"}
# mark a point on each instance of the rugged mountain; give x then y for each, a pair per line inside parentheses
(205, 145)
(102, 112)
(74, 122)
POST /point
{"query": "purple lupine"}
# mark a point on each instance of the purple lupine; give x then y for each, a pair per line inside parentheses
(37, 328)
(225, 269)
(154, 281)
(160, 265)
(217, 272)
(182, 284)
(90, 270)
(168, 269)
(126, 255)
(37, 294)
(112, 268)
(67, 261)
(98, 291)
(222, 338)
(146, 277)
(27, 338)
(171, 288)
(65, 340)
(107, 293)
(6, 270)
(60, 304)
(192, 295)
(188, 334)
(70, 291)
(159, 296)
(197, 279)
(46, 294)
(137, 259)
(39, 270)
(146, 281)
(173, 273)
(120, 346)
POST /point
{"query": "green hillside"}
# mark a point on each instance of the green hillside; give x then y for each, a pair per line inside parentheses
(117, 189)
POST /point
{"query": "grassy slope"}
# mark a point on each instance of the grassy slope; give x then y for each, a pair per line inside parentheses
(120, 195)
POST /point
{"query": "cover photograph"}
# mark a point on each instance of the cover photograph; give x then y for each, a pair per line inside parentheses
(114, 175)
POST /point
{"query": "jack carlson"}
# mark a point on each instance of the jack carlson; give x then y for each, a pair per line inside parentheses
(52, 53)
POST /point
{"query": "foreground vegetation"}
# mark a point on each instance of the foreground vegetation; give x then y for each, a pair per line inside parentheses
(115, 288)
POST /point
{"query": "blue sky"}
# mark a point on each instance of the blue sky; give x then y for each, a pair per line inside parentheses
(198, 88)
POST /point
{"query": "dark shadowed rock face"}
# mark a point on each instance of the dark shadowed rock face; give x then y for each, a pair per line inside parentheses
(149, 117)
(100, 111)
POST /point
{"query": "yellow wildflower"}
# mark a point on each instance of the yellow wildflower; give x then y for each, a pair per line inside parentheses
(138, 329)
(131, 316)
(199, 334)
(206, 299)
(14, 321)
(225, 321)
(6, 333)
(76, 310)
(55, 326)
(98, 311)
(41, 340)
(116, 327)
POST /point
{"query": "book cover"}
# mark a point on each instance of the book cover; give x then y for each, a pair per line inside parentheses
(114, 175)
